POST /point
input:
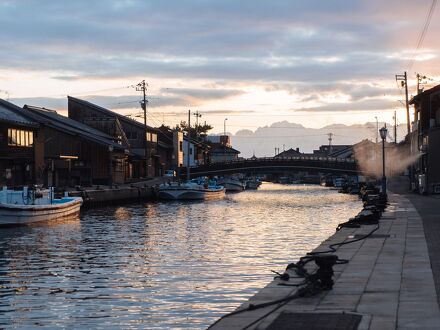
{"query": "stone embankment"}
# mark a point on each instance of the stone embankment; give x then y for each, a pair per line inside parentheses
(387, 282)
(104, 195)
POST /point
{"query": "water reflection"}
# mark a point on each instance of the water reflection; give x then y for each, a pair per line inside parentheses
(160, 265)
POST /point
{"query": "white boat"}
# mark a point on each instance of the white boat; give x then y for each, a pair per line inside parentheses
(232, 185)
(252, 184)
(189, 191)
(27, 206)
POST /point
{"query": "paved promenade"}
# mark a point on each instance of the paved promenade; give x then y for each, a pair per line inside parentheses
(387, 284)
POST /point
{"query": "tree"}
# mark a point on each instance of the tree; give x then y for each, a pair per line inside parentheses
(197, 131)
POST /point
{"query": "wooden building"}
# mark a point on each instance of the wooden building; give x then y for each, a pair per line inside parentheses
(76, 154)
(141, 142)
(289, 153)
(425, 141)
(222, 153)
(18, 151)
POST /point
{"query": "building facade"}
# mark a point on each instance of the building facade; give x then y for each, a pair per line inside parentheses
(18, 148)
(425, 141)
(143, 141)
(74, 154)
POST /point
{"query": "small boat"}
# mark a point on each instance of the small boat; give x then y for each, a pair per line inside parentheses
(191, 190)
(252, 184)
(339, 182)
(232, 184)
(22, 207)
(284, 180)
(327, 181)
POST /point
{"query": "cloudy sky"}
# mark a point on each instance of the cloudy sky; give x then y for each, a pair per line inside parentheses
(255, 62)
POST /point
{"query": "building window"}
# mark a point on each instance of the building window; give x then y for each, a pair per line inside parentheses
(151, 137)
(190, 151)
(132, 135)
(180, 145)
(20, 138)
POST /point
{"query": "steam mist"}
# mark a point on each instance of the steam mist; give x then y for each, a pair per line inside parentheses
(397, 158)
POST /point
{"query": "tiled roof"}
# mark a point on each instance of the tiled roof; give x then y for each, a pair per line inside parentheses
(424, 93)
(52, 119)
(224, 149)
(11, 113)
(109, 112)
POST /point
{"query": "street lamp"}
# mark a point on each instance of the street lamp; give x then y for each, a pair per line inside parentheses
(225, 139)
(383, 135)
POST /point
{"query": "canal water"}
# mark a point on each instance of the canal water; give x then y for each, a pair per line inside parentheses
(163, 265)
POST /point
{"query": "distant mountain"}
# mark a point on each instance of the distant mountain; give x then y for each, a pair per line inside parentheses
(285, 135)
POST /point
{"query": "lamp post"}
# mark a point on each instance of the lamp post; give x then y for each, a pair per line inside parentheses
(225, 139)
(383, 135)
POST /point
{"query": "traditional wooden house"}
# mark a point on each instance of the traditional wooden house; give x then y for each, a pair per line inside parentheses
(74, 153)
(18, 150)
(220, 149)
(425, 141)
(337, 150)
(289, 153)
(222, 153)
(142, 140)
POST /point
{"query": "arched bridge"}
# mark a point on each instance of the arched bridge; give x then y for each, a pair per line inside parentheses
(276, 165)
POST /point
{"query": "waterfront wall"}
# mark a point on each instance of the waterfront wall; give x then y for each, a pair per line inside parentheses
(102, 197)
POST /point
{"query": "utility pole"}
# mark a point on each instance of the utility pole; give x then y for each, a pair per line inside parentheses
(395, 127)
(403, 78)
(142, 87)
(377, 130)
(420, 81)
(188, 176)
(330, 139)
(198, 115)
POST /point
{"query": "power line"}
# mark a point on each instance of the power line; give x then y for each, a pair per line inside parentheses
(276, 136)
(88, 92)
(422, 33)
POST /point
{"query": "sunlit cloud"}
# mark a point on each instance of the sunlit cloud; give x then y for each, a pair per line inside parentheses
(281, 58)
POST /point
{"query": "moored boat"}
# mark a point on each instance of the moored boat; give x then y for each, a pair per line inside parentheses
(252, 184)
(27, 206)
(190, 191)
(232, 184)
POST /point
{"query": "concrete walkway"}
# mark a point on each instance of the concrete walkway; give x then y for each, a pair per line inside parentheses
(429, 209)
(388, 280)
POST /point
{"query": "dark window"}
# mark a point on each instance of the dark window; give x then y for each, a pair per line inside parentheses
(132, 135)
(181, 146)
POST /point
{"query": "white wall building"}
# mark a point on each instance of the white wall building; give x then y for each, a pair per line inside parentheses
(192, 158)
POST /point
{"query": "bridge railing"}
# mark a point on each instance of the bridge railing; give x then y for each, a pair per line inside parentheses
(277, 159)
